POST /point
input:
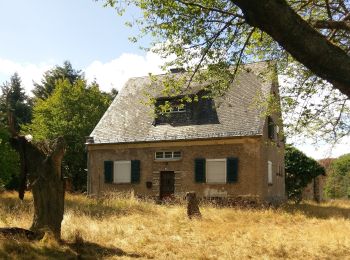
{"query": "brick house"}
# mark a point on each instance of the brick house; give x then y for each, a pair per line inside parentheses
(218, 147)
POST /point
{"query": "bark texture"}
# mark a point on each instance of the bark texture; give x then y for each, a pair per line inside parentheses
(192, 205)
(304, 43)
(41, 164)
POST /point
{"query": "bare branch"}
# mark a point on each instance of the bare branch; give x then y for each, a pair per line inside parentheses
(337, 25)
(242, 50)
(206, 50)
(210, 8)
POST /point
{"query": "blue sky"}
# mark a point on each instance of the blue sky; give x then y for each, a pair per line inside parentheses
(38, 34)
(78, 30)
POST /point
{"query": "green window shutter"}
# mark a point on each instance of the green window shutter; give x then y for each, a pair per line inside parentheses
(135, 171)
(199, 170)
(232, 170)
(108, 171)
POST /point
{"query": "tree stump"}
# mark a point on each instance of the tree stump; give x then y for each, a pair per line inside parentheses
(41, 165)
(192, 205)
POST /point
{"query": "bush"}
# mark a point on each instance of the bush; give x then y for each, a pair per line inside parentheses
(300, 170)
(338, 181)
(9, 161)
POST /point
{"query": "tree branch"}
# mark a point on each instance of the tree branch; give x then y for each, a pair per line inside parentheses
(206, 50)
(301, 40)
(339, 25)
(221, 11)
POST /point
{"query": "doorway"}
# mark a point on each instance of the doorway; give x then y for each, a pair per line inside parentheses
(167, 184)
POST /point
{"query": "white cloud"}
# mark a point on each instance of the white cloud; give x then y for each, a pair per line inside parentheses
(28, 72)
(321, 151)
(112, 74)
(115, 73)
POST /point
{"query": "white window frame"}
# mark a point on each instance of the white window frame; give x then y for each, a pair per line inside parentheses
(115, 172)
(269, 173)
(172, 158)
(206, 170)
(176, 109)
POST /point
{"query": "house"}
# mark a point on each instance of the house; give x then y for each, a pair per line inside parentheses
(222, 146)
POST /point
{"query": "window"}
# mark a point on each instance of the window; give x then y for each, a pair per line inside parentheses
(269, 172)
(168, 155)
(270, 128)
(122, 172)
(176, 109)
(216, 170)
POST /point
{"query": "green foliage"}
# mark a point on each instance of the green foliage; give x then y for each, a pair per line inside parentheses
(72, 111)
(214, 35)
(15, 100)
(300, 170)
(9, 161)
(44, 89)
(338, 178)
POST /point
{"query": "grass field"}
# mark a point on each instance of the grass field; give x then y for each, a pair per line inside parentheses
(123, 227)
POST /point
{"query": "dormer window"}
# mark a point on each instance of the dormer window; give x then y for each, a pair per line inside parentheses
(176, 110)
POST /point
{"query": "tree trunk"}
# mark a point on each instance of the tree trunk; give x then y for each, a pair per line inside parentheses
(42, 164)
(304, 43)
(48, 194)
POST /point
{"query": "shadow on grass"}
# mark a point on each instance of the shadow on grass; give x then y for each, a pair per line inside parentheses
(321, 211)
(95, 208)
(24, 249)
(95, 251)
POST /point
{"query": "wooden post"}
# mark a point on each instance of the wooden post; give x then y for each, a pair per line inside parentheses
(192, 205)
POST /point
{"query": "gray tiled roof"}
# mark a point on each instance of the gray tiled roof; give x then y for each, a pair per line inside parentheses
(130, 119)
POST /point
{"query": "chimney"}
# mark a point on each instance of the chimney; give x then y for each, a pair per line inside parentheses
(89, 140)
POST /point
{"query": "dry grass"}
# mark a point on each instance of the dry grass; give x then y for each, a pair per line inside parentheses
(127, 228)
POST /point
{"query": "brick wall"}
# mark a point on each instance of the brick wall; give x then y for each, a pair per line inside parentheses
(252, 173)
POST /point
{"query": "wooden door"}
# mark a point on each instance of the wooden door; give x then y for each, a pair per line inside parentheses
(167, 184)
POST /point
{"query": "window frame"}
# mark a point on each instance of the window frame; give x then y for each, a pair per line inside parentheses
(115, 168)
(176, 109)
(224, 160)
(269, 173)
(164, 158)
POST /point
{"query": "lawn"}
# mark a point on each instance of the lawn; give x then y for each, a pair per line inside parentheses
(124, 227)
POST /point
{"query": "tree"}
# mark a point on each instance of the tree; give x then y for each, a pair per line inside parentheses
(14, 99)
(41, 165)
(71, 111)
(300, 171)
(310, 40)
(338, 178)
(44, 89)
(9, 162)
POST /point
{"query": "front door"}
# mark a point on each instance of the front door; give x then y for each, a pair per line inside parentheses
(167, 184)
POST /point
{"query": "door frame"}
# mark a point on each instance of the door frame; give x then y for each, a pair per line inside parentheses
(161, 194)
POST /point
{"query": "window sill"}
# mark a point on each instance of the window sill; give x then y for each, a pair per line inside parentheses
(167, 160)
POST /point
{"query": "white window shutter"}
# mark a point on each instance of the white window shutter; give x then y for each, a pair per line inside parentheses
(122, 172)
(216, 170)
(269, 172)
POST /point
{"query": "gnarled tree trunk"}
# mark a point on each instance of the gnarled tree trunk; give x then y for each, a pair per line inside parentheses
(41, 164)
